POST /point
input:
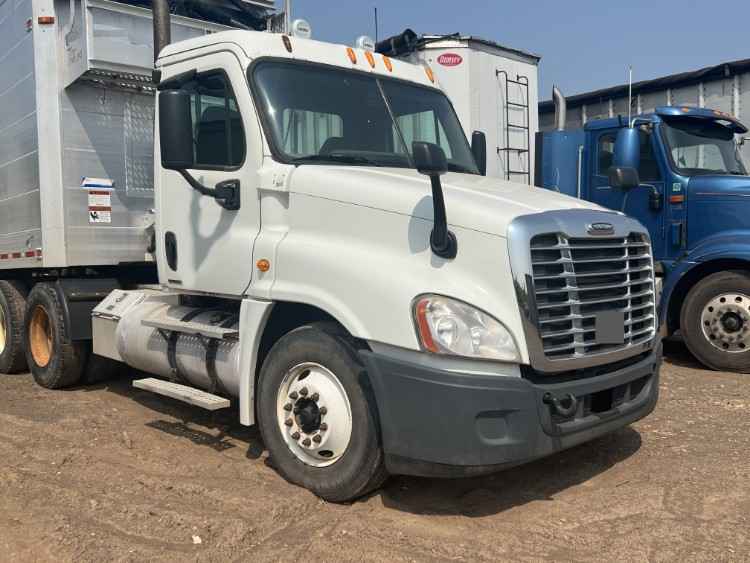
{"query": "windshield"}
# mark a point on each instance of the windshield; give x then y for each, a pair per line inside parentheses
(699, 146)
(322, 115)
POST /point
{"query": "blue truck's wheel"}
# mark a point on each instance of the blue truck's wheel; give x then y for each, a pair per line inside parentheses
(715, 321)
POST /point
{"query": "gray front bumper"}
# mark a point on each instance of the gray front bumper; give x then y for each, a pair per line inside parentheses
(439, 423)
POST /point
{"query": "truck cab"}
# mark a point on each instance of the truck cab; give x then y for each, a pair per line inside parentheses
(693, 195)
(332, 261)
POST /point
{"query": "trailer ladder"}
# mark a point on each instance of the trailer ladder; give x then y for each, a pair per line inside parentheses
(522, 83)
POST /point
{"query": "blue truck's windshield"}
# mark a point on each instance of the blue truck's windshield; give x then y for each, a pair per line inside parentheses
(698, 146)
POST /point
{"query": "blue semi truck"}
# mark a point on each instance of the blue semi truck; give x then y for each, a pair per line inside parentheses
(678, 170)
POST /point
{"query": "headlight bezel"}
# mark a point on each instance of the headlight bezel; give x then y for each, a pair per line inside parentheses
(429, 345)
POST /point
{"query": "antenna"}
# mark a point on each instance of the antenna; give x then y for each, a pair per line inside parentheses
(376, 24)
(287, 16)
(630, 91)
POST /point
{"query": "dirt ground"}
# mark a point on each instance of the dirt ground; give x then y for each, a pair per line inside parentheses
(112, 473)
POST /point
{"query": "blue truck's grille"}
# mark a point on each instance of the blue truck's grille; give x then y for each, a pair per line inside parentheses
(576, 279)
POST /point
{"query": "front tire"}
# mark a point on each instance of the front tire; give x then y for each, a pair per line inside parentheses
(12, 310)
(715, 321)
(54, 359)
(317, 416)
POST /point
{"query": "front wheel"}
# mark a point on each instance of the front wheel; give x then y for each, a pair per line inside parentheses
(715, 321)
(317, 417)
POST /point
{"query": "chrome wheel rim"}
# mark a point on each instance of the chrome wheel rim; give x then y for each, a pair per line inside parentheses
(3, 331)
(725, 321)
(314, 414)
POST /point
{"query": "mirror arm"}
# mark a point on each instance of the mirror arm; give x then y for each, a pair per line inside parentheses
(442, 241)
(226, 194)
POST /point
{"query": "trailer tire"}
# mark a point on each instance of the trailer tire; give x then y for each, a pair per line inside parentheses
(54, 359)
(715, 321)
(337, 383)
(12, 310)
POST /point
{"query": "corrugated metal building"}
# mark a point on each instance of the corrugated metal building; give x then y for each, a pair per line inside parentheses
(725, 87)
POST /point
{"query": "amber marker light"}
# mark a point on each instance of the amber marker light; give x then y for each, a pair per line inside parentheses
(388, 64)
(352, 55)
(263, 265)
(45, 20)
(430, 74)
(423, 326)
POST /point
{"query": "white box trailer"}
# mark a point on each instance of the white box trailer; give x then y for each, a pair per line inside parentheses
(493, 89)
(76, 131)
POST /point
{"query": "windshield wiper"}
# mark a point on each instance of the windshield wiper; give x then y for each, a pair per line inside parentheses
(338, 158)
(460, 168)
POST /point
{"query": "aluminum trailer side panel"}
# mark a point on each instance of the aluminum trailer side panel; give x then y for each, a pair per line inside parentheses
(77, 104)
(20, 215)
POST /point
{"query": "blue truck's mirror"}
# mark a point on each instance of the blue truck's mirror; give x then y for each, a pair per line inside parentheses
(479, 149)
(623, 177)
(627, 148)
(175, 130)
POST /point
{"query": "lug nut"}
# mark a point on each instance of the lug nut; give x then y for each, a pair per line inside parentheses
(306, 442)
(293, 395)
(315, 396)
(323, 426)
(295, 436)
(303, 391)
(323, 411)
(288, 422)
(317, 438)
(288, 407)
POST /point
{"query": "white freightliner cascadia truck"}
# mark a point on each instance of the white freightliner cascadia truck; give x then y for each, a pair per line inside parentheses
(328, 253)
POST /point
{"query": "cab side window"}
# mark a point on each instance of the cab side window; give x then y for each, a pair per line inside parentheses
(648, 171)
(605, 153)
(218, 135)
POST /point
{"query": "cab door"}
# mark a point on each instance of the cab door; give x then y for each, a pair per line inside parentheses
(202, 246)
(634, 202)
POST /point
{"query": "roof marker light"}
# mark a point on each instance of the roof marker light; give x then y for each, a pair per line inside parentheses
(287, 42)
(430, 74)
(370, 58)
(388, 64)
(352, 55)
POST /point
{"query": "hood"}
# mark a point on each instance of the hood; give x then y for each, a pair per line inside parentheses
(719, 185)
(472, 202)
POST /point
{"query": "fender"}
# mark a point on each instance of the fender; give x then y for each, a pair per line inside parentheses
(78, 298)
(728, 245)
(253, 318)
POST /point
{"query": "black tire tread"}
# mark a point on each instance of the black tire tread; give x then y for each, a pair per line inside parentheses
(14, 295)
(323, 482)
(66, 367)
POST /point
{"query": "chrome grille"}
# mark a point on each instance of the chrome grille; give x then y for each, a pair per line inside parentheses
(575, 279)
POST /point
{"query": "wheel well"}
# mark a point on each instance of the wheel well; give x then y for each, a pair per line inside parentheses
(284, 318)
(691, 278)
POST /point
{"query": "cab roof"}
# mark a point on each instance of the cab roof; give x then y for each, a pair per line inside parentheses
(720, 117)
(257, 44)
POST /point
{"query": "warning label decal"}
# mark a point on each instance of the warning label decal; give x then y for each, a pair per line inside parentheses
(100, 206)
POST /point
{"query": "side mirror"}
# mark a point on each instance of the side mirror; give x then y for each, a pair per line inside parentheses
(175, 130)
(623, 177)
(628, 149)
(479, 149)
(429, 159)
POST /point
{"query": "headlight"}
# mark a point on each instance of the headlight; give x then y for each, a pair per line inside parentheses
(448, 326)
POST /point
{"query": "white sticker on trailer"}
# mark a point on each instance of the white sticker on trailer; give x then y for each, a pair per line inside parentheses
(98, 183)
(100, 206)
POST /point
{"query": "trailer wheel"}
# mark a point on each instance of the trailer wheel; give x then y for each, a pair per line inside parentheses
(317, 419)
(12, 308)
(54, 360)
(715, 321)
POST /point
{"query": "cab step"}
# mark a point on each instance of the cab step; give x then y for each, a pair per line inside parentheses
(183, 393)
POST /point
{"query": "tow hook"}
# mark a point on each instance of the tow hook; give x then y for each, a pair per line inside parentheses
(559, 405)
